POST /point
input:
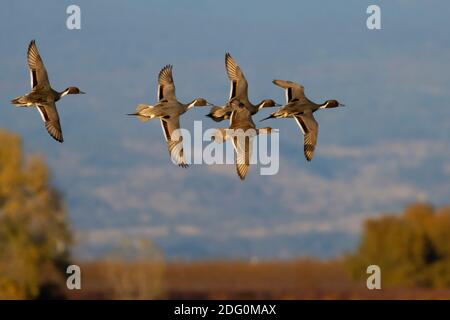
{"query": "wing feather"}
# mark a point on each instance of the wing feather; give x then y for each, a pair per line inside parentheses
(38, 73)
(310, 129)
(166, 86)
(238, 83)
(293, 90)
(175, 147)
(50, 117)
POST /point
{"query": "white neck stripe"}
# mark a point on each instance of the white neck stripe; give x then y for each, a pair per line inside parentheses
(324, 106)
(66, 92)
(192, 104)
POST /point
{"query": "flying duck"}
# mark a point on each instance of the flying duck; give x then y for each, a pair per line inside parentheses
(241, 131)
(168, 110)
(238, 90)
(299, 107)
(42, 95)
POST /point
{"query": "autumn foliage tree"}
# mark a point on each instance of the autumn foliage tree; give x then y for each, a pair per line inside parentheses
(34, 236)
(412, 249)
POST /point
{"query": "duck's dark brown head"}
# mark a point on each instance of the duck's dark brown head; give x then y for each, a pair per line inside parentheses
(268, 103)
(201, 102)
(73, 90)
(333, 104)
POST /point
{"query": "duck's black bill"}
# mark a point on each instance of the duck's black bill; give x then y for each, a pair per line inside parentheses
(269, 117)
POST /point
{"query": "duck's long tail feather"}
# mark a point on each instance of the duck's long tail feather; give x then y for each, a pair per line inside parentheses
(218, 114)
(140, 114)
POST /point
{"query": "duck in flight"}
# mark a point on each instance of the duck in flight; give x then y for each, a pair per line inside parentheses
(299, 107)
(238, 90)
(241, 132)
(42, 95)
(168, 110)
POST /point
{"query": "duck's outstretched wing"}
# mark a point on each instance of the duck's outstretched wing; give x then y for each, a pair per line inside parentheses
(238, 83)
(293, 90)
(38, 74)
(310, 129)
(243, 152)
(166, 87)
(50, 117)
(174, 144)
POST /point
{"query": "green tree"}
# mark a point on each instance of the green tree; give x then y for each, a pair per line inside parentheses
(412, 249)
(34, 236)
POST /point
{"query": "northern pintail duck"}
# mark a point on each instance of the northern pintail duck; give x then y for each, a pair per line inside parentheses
(42, 95)
(241, 132)
(168, 110)
(238, 90)
(299, 107)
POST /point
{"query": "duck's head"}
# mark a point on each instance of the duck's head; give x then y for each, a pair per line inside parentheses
(199, 102)
(332, 104)
(268, 103)
(72, 90)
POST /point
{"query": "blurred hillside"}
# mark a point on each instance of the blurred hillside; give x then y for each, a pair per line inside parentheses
(34, 235)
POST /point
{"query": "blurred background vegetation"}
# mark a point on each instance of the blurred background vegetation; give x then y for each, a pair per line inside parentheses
(412, 248)
(34, 234)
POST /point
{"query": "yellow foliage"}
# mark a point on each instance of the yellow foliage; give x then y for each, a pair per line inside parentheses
(33, 230)
(412, 249)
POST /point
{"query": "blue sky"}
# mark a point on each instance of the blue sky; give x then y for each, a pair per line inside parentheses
(388, 148)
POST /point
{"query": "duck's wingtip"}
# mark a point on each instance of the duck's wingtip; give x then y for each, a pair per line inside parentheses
(58, 139)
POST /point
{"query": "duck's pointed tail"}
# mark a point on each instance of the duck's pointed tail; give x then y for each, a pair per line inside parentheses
(19, 101)
(217, 113)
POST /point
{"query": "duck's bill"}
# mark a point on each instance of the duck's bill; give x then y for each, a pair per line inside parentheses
(342, 105)
(269, 117)
(81, 92)
(277, 104)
